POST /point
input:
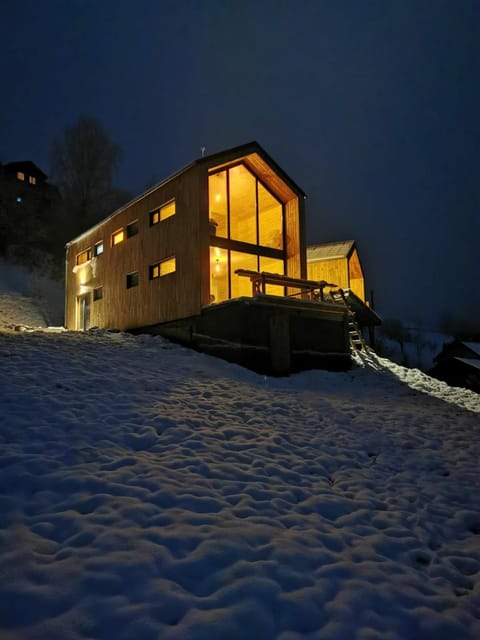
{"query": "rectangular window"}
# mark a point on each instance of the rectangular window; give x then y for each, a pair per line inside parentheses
(118, 237)
(98, 293)
(162, 213)
(32, 180)
(162, 268)
(84, 256)
(132, 229)
(98, 248)
(20, 175)
(132, 279)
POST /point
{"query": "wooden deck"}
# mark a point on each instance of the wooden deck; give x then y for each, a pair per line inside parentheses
(269, 334)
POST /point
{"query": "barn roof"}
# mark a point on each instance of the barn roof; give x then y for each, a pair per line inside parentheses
(330, 250)
(471, 362)
(473, 346)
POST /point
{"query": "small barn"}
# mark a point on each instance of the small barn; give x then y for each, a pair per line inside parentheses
(458, 364)
(213, 256)
(339, 264)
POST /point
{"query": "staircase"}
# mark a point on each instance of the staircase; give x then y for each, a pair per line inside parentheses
(357, 341)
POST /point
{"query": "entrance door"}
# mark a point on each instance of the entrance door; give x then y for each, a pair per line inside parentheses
(83, 312)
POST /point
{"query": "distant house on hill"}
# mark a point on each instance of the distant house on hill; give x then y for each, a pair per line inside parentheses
(25, 172)
(213, 256)
(458, 364)
(26, 203)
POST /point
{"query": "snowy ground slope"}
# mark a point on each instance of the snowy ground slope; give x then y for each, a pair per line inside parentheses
(147, 491)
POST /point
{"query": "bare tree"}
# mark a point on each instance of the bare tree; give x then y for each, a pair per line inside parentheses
(83, 161)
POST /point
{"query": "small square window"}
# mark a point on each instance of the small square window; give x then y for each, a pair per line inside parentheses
(162, 213)
(98, 249)
(118, 237)
(84, 256)
(98, 293)
(132, 229)
(20, 175)
(132, 279)
(32, 180)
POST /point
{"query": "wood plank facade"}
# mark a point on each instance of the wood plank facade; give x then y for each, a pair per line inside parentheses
(174, 250)
(339, 263)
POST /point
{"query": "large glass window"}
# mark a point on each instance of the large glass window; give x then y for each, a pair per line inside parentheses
(225, 283)
(270, 219)
(241, 286)
(272, 265)
(219, 271)
(242, 208)
(217, 188)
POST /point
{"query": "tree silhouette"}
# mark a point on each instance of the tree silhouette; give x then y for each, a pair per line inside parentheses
(84, 159)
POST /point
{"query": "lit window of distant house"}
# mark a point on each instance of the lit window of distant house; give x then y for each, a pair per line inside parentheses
(98, 248)
(162, 213)
(118, 237)
(162, 268)
(32, 180)
(132, 229)
(98, 293)
(132, 279)
(83, 257)
(20, 175)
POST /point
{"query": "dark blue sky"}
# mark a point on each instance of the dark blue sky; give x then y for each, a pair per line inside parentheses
(372, 107)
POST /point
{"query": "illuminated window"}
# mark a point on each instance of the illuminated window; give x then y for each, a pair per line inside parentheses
(241, 286)
(162, 268)
(32, 180)
(162, 213)
(20, 175)
(225, 284)
(218, 274)
(272, 265)
(98, 248)
(132, 279)
(132, 229)
(98, 293)
(242, 208)
(118, 237)
(85, 256)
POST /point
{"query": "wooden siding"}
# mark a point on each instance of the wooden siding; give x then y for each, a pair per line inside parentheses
(186, 235)
(295, 247)
(173, 296)
(334, 271)
(355, 273)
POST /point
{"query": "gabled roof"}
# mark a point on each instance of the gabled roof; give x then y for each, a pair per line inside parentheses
(330, 250)
(473, 346)
(471, 362)
(250, 150)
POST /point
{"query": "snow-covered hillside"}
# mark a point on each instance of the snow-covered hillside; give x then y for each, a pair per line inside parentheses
(147, 491)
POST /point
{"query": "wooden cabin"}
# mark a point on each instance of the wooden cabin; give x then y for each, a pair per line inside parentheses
(458, 364)
(339, 264)
(171, 261)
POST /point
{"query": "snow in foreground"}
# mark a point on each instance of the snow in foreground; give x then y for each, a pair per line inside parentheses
(147, 491)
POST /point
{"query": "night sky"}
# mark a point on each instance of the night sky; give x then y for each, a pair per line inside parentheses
(371, 106)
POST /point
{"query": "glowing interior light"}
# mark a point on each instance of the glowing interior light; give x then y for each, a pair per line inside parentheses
(217, 197)
(217, 265)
